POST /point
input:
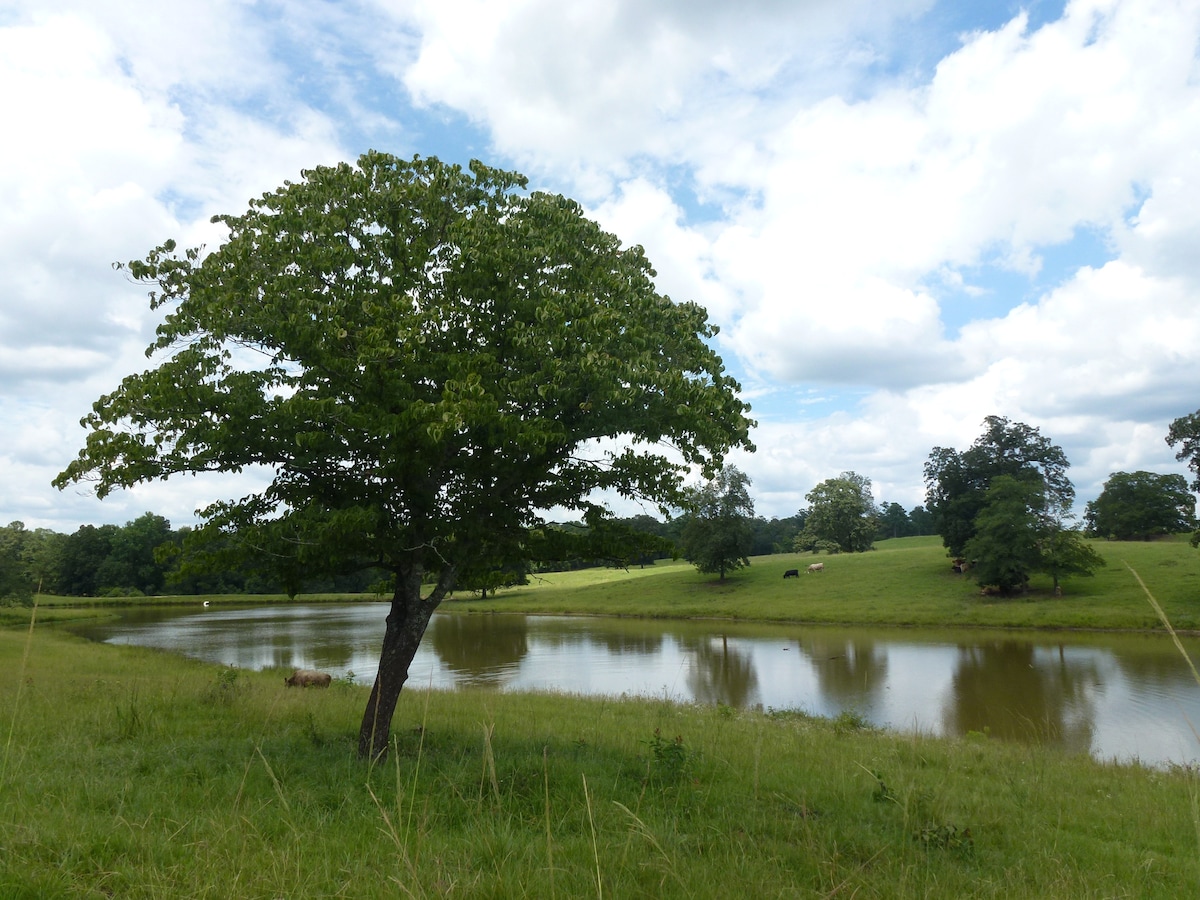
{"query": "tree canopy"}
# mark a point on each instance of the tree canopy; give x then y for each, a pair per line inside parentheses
(1140, 506)
(957, 483)
(1185, 432)
(841, 511)
(718, 530)
(1004, 546)
(424, 358)
(1004, 503)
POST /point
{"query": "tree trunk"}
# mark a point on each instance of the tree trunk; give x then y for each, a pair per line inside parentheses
(406, 624)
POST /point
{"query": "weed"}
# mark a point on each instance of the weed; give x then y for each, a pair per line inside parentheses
(670, 761)
(225, 686)
(945, 837)
(313, 732)
(882, 793)
(849, 721)
(131, 721)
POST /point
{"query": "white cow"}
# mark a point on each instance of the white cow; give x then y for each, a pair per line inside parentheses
(816, 567)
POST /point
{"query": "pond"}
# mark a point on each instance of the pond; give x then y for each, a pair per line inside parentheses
(1115, 696)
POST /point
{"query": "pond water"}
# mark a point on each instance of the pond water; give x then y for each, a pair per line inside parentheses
(1122, 696)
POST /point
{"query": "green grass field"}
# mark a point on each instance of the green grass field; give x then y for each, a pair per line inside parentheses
(902, 582)
(135, 774)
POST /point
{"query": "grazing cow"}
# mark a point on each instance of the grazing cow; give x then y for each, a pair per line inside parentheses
(792, 573)
(308, 678)
(816, 567)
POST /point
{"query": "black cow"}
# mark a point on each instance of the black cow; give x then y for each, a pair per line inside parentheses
(792, 573)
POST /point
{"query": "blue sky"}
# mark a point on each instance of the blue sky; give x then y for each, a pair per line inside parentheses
(904, 216)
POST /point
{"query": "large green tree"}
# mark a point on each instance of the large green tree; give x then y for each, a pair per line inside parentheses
(718, 531)
(131, 561)
(957, 483)
(1185, 433)
(424, 358)
(1015, 536)
(842, 511)
(1141, 505)
(1004, 547)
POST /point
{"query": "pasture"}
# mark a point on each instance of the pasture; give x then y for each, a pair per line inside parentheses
(908, 581)
(134, 774)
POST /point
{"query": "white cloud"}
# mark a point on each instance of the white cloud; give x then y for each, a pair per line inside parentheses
(125, 128)
(600, 82)
(840, 209)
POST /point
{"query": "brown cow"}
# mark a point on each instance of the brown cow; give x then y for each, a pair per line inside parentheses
(308, 678)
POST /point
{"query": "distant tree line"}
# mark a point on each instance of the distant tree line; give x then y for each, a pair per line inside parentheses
(146, 556)
(1001, 506)
(141, 557)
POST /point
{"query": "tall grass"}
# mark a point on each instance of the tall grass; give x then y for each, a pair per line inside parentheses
(142, 775)
(1195, 792)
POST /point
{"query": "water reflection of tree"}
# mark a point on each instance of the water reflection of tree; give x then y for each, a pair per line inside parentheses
(719, 673)
(629, 643)
(1003, 689)
(481, 648)
(1154, 661)
(330, 654)
(611, 639)
(847, 669)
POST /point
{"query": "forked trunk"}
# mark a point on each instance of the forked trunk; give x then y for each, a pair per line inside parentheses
(406, 624)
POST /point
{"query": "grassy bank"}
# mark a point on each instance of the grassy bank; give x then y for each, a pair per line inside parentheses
(134, 774)
(902, 582)
(53, 608)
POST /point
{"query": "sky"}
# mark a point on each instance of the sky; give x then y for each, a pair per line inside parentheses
(904, 216)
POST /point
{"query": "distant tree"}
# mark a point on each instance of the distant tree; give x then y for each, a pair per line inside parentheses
(424, 358)
(499, 576)
(595, 542)
(922, 520)
(44, 559)
(84, 553)
(30, 561)
(1063, 552)
(841, 511)
(15, 583)
(1140, 506)
(132, 563)
(957, 483)
(651, 538)
(718, 531)
(775, 535)
(893, 522)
